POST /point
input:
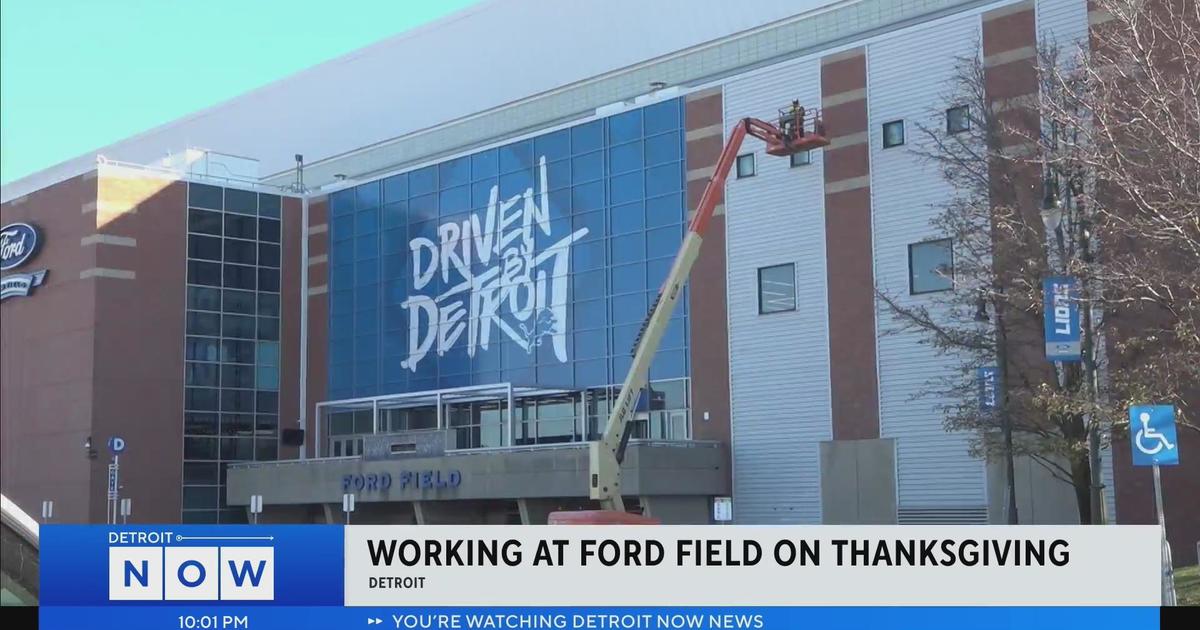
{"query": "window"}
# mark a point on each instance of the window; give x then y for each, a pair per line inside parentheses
(204, 299)
(802, 158)
(893, 134)
(745, 165)
(239, 226)
(204, 247)
(958, 119)
(931, 266)
(777, 289)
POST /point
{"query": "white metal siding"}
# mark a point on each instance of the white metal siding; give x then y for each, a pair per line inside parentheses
(779, 363)
(1063, 22)
(908, 76)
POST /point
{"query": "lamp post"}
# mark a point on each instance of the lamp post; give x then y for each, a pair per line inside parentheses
(1002, 400)
(1053, 213)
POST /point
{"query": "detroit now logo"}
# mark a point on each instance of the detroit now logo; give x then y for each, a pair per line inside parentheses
(180, 571)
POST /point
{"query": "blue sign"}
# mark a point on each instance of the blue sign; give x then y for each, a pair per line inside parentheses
(18, 243)
(116, 444)
(1152, 432)
(1061, 305)
(988, 387)
(405, 480)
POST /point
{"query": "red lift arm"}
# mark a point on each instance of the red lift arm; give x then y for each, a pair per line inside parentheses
(788, 137)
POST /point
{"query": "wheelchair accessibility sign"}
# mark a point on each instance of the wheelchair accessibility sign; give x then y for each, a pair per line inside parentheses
(1152, 433)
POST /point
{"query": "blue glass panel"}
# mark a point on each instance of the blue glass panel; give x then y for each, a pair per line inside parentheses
(515, 183)
(626, 188)
(366, 322)
(628, 248)
(657, 270)
(586, 256)
(558, 175)
(664, 241)
(481, 192)
(673, 336)
(366, 347)
(342, 276)
(425, 229)
(484, 164)
(366, 221)
(341, 327)
(591, 314)
(669, 364)
(366, 196)
(456, 172)
(588, 285)
(486, 378)
(516, 157)
(395, 215)
(553, 146)
(454, 200)
(366, 297)
(422, 208)
(341, 380)
(624, 158)
(588, 137)
(341, 252)
(629, 308)
(628, 278)
(366, 247)
(342, 227)
(341, 302)
(422, 181)
(662, 117)
(627, 218)
(340, 353)
(366, 272)
(395, 317)
(394, 265)
(395, 241)
(590, 373)
(663, 148)
(593, 222)
(664, 179)
(587, 167)
(365, 374)
(665, 210)
(623, 338)
(560, 202)
(395, 188)
(625, 127)
(341, 202)
(585, 197)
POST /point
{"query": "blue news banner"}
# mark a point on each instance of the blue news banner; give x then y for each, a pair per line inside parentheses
(292, 577)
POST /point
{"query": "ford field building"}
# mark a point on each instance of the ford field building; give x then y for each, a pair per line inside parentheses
(432, 313)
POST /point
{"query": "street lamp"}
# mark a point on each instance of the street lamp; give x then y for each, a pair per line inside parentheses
(1006, 428)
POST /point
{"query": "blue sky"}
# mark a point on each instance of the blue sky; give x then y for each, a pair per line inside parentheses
(76, 75)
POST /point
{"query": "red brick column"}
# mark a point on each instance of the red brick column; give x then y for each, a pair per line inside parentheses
(318, 314)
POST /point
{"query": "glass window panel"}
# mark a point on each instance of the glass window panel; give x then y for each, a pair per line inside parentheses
(366, 221)
(745, 165)
(366, 195)
(663, 148)
(626, 188)
(238, 226)
(893, 134)
(958, 119)
(198, 473)
(587, 256)
(268, 328)
(238, 327)
(244, 252)
(204, 298)
(665, 210)
(234, 351)
(931, 266)
(628, 278)
(395, 188)
(342, 228)
(342, 276)
(203, 323)
(241, 201)
(199, 448)
(200, 349)
(625, 157)
(342, 202)
(201, 374)
(454, 172)
(240, 277)
(237, 424)
(625, 127)
(662, 117)
(268, 279)
(515, 183)
(267, 401)
(628, 217)
(268, 304)
(200, 399)
(629, 308)
(591, 344)
(239, 400)
(239, 301)
(592, 221)
(265, 423)
(366, 273)
(452, 200)
(423, 181)
(591, 314)
(664, 179)
(587, 137)
(204, 222)
(200, 517)
(423, 208)
(587, 167)
(366, 247)
(517, 156)
(268, 230)
(269, 205)
(481, 193)
(664, 241)
(201, 497)
(237, 449)
(204, 273)
(777, 289)
(268, 377)
(204, 247)
(395, 215)
(802, 158)
(669, 364)
(628, 248)
(266, 449)
(587, 197)
(553, 146)
(484, 164)
(237, 376)
(268, 353)
(204, 196)
(268, 255)
(393, 269)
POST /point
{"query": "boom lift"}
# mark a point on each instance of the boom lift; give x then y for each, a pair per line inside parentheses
(796, 131)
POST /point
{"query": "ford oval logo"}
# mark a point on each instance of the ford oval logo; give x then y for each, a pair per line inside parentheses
(18, 243)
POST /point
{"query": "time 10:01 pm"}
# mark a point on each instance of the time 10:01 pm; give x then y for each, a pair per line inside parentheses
(208, 622)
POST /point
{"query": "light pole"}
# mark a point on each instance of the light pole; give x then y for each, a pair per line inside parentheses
(1002, 400)
(1053, 213)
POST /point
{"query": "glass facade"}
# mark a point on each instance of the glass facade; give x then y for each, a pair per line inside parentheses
(533, 263)
(231, 348)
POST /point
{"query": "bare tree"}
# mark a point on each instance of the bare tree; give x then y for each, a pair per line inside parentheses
(1097, 178)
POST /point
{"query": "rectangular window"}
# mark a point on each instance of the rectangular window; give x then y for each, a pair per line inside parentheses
(197, 423)
(234, 351)
(745, 165)
(203, 299)
(931, 266)
(238, 327)
(204, 196)
(239, 301)
(205, 273)
(802, 158)
(203, 222)
(201, 349)
(240, 277)
(236, 251)
(241, 201)
(203, 324)
(201, 374)
(268, 304)
(268, 255)
(238, 226)
(777, 289)
(204, 247)
(268, 230)
(893, 134)
(958, 119)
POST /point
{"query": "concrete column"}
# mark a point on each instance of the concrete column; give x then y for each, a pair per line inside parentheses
(678, 510)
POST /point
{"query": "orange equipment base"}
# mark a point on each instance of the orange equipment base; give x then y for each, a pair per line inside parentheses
(600, 517)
